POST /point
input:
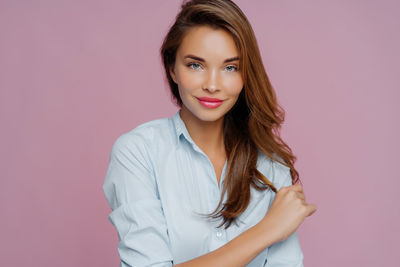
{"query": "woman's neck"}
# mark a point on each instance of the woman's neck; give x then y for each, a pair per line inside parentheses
(208, 135)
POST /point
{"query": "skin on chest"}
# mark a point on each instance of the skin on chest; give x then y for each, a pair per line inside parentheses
(218, 164)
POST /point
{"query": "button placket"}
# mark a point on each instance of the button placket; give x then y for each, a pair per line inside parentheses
(219, 233)
(213, 174)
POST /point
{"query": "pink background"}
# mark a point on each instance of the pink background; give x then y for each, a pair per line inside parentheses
(74, 75)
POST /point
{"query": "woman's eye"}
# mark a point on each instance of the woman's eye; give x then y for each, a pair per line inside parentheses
(194, 66)
(231, 68)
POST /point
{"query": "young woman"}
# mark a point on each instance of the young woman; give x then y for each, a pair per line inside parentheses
(213, 185)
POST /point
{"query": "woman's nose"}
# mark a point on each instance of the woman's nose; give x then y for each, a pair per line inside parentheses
(211, 81)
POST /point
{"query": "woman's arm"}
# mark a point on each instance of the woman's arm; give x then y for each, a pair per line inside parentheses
(286, 213)
(239, 251)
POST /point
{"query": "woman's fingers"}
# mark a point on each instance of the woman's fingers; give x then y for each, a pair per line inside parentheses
(301, 196)
(295, 187)
(288, 210)
(298, 189)
(311, 209)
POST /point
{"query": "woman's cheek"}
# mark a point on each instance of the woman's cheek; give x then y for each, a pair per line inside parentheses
(235, 85)
(191, 80)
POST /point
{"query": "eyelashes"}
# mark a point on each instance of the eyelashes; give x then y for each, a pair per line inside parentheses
(193, 65)
(234, 67)
(196, 66)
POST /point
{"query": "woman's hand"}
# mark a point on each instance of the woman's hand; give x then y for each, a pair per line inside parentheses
(287, 212)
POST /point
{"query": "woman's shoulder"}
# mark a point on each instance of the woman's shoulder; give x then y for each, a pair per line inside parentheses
(275, 171)
(144, 136)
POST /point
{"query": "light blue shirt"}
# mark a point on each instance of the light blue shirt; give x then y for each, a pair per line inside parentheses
(157, 181)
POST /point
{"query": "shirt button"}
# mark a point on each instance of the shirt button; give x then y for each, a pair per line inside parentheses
(219, 234)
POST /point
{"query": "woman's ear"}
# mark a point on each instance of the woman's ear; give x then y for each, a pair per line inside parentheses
(172, 73)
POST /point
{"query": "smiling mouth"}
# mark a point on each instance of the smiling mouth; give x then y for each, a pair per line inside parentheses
(210, 103)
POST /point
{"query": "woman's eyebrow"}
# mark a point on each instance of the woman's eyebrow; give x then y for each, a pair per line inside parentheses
(202, 60)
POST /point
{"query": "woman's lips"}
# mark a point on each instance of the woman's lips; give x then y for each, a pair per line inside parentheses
(210, 102)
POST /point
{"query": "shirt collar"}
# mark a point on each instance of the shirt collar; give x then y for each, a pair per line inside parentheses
(180, 128)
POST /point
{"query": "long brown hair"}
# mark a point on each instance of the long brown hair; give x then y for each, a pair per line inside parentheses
(254, 122)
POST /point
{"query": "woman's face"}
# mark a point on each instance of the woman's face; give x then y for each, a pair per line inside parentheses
(207, 66)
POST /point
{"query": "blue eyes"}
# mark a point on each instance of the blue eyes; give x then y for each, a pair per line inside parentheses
(190, 65)
(197, 66)
(234, 67)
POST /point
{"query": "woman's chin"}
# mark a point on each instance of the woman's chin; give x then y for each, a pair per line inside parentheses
(210, 115)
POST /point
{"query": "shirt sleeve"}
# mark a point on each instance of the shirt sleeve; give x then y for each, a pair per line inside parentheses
(286, 253)
(137, 214)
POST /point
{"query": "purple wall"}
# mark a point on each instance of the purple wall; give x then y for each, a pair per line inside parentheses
(74, 75)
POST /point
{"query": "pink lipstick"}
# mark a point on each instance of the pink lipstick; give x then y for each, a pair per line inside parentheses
(210, 102)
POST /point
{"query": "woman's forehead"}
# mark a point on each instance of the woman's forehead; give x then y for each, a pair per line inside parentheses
(208, 43)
